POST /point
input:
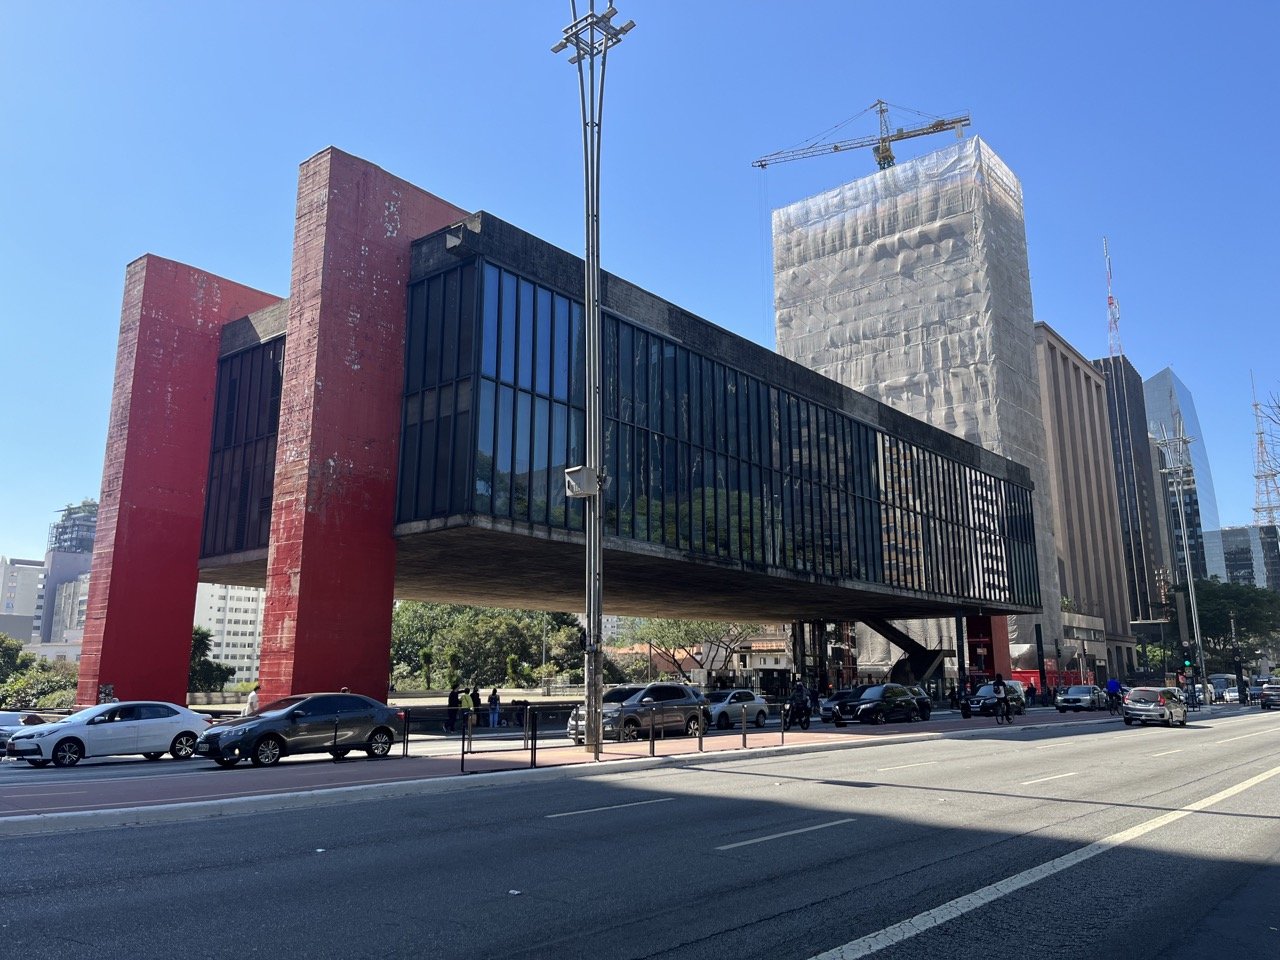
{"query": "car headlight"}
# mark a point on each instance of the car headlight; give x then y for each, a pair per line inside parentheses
(865, 706)
(38, 735)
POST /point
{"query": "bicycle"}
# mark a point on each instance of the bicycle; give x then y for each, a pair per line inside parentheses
(1114, 706)
(1004, 712)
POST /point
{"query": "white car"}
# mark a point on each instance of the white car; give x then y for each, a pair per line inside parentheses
(726, 706)
(148, 727)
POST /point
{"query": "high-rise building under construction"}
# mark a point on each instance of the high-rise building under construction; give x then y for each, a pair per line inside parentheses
(912, 285)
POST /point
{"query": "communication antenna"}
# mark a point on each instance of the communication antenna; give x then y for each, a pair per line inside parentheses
(1266, 460)
(1113, 308)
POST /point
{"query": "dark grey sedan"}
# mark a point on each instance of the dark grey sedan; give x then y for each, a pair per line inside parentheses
(334, 723)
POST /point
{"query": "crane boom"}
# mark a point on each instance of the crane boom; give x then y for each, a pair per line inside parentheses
(880, 144)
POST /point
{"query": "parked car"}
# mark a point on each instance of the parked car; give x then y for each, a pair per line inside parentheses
(1165, 705)
(631, 711)
(1082, 697)
(1270, 696)
(923, 702)
(827, 709)
(147, 727)
(984, 701)
(334, 723)
(12, 721)
(725, 708)
(880, 704)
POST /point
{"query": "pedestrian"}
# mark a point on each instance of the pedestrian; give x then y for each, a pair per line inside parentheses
(495, 704)
(468, 704)
(475, 704)
(451, 720)
(1031, 694)
(251, 704)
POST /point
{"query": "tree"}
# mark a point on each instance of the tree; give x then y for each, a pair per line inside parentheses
(205, 676)
(38, 685)
(1257, 622)
(705, 644)
(12, 659)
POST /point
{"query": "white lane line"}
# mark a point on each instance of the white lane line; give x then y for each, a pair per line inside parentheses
(889, 936)
(1056, 776)
(1167, 752)
(616, 806)
(56, 793)
(1245, 736)
(904, 766)
(789, 833)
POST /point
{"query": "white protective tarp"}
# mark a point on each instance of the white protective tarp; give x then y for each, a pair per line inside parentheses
(912, 286)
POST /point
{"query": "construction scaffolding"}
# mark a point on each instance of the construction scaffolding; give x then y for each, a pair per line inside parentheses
(912, 285)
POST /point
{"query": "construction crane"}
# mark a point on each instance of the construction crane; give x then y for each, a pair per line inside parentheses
(880, 145)
(1113, 308)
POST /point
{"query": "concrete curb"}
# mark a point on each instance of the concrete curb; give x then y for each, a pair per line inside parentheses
(52, 823)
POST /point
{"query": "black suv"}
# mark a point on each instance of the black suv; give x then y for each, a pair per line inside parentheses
(879, 704)
(984, 701)
(334, 723)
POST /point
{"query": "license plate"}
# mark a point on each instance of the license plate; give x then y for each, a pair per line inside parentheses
(202, 748)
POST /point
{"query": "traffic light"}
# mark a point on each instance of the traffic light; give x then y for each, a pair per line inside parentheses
(1187, 659)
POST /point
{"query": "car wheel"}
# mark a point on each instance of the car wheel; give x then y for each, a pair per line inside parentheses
(227, 762)
(761, 717)
(183, 746)
(39, 763)
(1168, 720)
(722, 721)
(878, 717)
(380, 743)
(68, 753)
(631, 730)
(152, 756)
(266, 752)
(926, 713)
(1183, 721)
(1062, 709)
(1128, 721)
(692, 726)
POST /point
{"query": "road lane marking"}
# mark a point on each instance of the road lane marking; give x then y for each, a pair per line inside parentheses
(56, 793)
(904, 766)
(1245, 736)
(1056, 776)
(616, 806)
(889, 936)
(1167, 752)
(788, 833)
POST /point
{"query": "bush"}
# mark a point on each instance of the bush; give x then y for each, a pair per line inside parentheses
(61, 700)
(23, 691)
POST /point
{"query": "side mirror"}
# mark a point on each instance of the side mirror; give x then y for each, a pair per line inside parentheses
(297, 714)
(100, 718)
(647, 700)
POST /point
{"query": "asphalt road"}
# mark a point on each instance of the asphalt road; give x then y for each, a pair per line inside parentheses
(1081, 841)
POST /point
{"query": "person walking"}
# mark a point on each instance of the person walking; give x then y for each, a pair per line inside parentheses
(495, 705)
(451, 720)
(468, 704)
(475, 704)
(1031, 694)
(251, 704)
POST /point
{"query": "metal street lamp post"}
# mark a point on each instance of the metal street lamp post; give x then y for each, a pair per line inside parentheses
(590, 37)
(1177, 472)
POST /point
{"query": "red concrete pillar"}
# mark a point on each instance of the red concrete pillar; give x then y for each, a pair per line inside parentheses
(990, 635)
(142, 586)
(331, 563)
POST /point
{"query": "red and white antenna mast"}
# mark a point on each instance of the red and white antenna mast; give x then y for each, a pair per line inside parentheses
(1113, 308)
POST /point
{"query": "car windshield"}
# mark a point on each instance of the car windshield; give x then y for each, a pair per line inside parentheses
(621, 694)
(986, 690)
(872, 693)
(718, 696)
(85, 714)
(1079, 691)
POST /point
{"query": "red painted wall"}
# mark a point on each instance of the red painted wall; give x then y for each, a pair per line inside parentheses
(992, 635)
(142, 587)
(331, 563)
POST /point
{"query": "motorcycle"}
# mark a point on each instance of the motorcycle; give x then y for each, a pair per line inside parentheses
(796, 713)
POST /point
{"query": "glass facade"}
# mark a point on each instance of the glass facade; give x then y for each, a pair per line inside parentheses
(702, 458)
(237, 512)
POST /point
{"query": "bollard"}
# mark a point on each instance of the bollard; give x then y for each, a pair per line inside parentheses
(652, 738)
(404, 751)
(462, 768)
(782, 727)
(335, 739)
(700, 720)
(533, 742)
(744, 726)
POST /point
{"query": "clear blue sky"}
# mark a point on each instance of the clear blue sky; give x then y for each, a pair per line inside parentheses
(177, 129)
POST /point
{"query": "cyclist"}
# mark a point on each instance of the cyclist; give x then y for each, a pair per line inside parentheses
(798, 705)
(1113, 693)
(1001, 693)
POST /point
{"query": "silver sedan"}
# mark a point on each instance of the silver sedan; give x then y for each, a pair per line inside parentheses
(728, 707)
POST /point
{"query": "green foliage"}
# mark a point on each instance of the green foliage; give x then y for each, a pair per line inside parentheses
(205, 676)
(12, 659)
(477, 644)
(679, 645)
(42, 679)
(1257, 622)
(63, 699)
